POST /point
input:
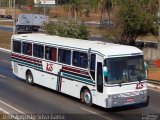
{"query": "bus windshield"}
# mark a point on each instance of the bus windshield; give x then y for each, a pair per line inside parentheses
(125, 69)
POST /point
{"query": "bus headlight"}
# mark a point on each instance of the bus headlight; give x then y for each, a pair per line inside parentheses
(114, 96)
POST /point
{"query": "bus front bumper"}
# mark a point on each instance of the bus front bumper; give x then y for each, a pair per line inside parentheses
(123, 101)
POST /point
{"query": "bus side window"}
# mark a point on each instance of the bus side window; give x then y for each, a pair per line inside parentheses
(51, 53)
(80, 59)
(54, 54)
(27, 48)
(64, 56)
(38, 51)
(17, 46)
(75, 61)
(92, 65)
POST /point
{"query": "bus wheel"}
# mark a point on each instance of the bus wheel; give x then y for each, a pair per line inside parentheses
(29, 78)
(87, 97)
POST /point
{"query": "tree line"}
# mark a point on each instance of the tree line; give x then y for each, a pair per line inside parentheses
(8, 3)
(132, 18)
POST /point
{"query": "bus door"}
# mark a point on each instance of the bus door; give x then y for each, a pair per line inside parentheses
(99, 81)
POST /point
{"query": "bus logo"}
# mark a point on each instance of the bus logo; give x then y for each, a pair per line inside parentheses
(49, 67)
(139, 86)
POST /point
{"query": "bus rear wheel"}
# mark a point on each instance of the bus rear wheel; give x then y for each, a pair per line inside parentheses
(29, 78)
(87, 97)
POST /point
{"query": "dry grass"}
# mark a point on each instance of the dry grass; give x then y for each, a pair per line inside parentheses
(5, 38)
(6, 23)
(149, 38)
(154, 73)
(153, 69)
(95, 31)
(5, 116)
(106, 32)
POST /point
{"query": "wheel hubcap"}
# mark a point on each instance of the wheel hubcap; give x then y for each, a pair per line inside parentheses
(29, 78)
(87, 97)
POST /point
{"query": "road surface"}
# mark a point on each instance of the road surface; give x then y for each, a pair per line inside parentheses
(6, 28)
(18, 97)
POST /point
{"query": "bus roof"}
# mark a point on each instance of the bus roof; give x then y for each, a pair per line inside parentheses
(107, 49)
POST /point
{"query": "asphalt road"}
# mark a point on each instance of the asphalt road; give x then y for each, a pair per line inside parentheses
(5, 28)
(38, 100)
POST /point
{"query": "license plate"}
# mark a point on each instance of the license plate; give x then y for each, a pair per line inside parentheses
(130, 100)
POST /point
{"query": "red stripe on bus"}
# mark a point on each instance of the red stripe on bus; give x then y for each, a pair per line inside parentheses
(26, 58)
(74, 70)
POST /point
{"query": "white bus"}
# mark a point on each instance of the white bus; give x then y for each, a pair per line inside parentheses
(105, 74)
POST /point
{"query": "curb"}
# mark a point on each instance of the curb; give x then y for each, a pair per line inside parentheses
(5, 50)
(153, 86)
(7, 26)
(157, 82)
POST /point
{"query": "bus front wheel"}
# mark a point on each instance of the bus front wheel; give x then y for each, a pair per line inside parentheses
(87, 97)
(29, 78)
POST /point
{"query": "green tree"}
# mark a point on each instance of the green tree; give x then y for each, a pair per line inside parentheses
(77, 6)
(67, 28)
(29, 2)
(106, 6)
(21, 2)
(74, 6)
(136, 18)
(4, 3)
(89, 5)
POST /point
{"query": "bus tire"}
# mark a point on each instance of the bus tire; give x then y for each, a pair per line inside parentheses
(87, 97)
(29, 78)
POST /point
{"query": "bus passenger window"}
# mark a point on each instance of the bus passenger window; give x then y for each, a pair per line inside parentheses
(64, 56)
(17, 46)
(50, 53)
(80, 59)
(27, 49)
(54, 54)
(38, 51)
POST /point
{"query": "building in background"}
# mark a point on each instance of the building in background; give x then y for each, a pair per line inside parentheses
(47, 2)
(50, 2)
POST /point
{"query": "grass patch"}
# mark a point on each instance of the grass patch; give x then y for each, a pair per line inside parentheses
(5, 39)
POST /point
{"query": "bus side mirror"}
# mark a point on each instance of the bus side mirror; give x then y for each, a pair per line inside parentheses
(145, 66)
(105, 71)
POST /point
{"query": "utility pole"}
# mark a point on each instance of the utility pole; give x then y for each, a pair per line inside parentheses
(0, 3)
(14, 19)
(159, 24)
(44, 5)
(9, 5)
